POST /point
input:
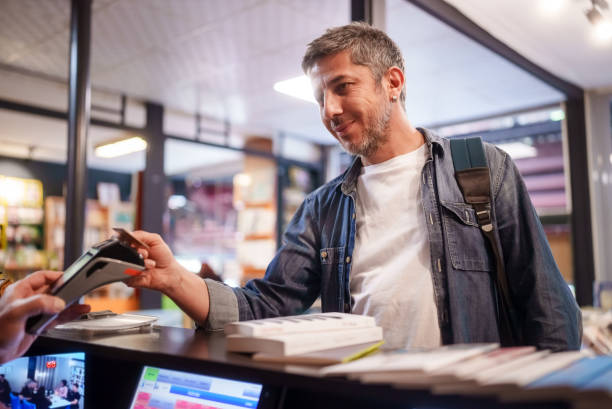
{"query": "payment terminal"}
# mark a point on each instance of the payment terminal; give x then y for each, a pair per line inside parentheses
(106, 262)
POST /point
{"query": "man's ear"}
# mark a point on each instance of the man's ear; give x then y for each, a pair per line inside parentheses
(395, 79)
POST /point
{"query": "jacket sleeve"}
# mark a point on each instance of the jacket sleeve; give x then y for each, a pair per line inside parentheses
(292, 280)
(547, 309)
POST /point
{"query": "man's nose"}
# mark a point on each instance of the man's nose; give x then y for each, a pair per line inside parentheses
(331, 106)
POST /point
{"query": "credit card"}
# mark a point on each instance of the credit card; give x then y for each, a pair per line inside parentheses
(129, 239)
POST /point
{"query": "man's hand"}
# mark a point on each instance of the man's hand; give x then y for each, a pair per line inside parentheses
(27, 298)
(163, 273)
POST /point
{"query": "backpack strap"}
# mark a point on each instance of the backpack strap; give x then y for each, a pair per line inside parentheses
(474, 180)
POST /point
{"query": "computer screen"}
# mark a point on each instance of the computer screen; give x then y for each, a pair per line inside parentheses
(168, 389)
(56, 380)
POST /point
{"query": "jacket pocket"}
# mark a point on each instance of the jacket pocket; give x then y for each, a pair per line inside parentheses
(467, 247)
(332, 278)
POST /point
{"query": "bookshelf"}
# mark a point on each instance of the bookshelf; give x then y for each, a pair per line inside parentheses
(255, 203)
(99, 222)
(21, 226)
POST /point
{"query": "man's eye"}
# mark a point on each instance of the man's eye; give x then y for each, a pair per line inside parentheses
(344, 86)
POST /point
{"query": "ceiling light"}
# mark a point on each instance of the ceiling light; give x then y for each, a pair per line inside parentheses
(557, 115)
(518, 150)
(551, 7)
(120, 147)
(298, 87)
(603, 30)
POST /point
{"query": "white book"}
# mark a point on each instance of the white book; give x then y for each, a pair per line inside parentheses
(514, 379)
(497, 365)
(537, 369)
(463, 368)
(304, 342)
(299, 323)
(390, 364)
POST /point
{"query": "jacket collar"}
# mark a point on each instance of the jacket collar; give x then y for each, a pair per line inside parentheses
(349, 180)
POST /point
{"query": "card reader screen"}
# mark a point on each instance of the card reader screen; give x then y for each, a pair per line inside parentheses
(75, 267)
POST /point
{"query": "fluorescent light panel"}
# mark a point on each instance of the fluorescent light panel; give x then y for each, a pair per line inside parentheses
(120, 148)
(298, 87)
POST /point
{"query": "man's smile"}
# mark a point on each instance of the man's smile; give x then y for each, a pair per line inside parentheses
(342, 128)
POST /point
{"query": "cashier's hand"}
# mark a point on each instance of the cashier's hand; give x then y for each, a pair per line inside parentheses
(162, 270)
(27, 298)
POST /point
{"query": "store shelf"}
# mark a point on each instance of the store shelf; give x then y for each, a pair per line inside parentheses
(99, 222)
(21, 226)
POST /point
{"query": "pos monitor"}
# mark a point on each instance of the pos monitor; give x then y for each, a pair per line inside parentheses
(169, 389)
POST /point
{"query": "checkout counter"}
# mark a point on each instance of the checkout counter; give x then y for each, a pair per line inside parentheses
(114, 367)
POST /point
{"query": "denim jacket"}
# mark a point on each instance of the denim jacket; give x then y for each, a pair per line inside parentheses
(317, 249)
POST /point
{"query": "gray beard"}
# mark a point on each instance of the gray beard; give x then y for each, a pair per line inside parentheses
(374, 136)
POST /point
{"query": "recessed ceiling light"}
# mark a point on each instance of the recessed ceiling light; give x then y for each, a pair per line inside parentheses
(120, 147)
(298, 87)
(603, 30)
(551, 7)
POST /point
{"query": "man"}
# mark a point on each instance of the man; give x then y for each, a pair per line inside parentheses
(392, 237)
(28, 390)
(24, 299)
(74, 396)
(5, 391)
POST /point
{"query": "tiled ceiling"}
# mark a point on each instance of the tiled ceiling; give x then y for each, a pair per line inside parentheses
(222, 57)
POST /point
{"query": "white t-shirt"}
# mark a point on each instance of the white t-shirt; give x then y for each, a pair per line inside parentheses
(391, 276)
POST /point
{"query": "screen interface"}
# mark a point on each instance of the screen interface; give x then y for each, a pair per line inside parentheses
(74, 268)
(44, 381)
(167, 389)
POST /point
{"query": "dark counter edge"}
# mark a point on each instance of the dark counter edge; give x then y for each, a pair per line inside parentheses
(239, 367)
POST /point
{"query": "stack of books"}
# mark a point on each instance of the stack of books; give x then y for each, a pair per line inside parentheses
(335, 341)
(313, 339)
(518, 374)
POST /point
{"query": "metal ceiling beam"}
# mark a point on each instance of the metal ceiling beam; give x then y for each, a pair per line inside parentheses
(53, 113)
(454, 18)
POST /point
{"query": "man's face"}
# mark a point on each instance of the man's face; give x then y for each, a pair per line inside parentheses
(354, 107)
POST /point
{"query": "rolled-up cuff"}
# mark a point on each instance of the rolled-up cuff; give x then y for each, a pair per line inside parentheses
(223, 306)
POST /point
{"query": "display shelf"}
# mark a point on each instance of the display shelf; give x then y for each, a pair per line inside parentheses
(21, 226)
(255, 202)
(99, 222)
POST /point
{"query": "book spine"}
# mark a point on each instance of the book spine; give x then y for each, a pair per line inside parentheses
(332, 339)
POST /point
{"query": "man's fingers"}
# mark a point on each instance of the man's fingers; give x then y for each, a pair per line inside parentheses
(34, 305)
(37, 282)
(150, 264)
(150, 239)
(42, 278)
(137, 281)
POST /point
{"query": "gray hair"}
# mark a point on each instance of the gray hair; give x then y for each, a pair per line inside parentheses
(367, 45)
